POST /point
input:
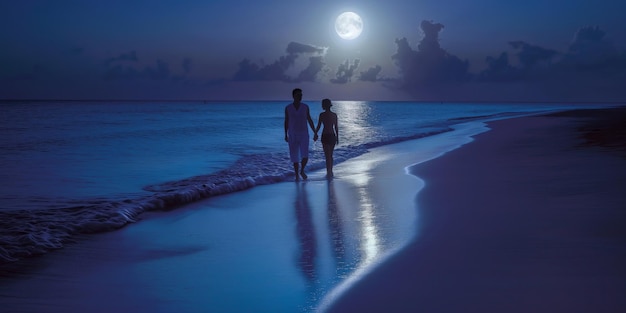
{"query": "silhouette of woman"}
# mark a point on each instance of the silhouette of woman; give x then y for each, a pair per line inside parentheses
(330, 134)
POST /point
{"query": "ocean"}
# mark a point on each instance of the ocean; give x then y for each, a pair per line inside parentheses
(78, 167)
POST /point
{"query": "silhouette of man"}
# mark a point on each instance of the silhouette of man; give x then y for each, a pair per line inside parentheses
(297, 116)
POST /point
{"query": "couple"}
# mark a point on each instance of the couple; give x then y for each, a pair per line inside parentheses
(297, 116)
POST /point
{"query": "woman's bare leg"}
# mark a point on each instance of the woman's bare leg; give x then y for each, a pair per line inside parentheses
(328, 154)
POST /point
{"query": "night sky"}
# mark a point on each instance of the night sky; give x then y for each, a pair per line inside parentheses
(429, 50)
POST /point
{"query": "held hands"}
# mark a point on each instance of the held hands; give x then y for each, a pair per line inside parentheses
(286, 138)
(315, 137)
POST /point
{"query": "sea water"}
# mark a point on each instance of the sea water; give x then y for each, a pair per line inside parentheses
(68, 168)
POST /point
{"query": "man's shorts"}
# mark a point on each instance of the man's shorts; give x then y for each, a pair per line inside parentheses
(298, 147)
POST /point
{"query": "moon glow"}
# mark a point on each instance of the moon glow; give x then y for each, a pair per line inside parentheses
(348, 25)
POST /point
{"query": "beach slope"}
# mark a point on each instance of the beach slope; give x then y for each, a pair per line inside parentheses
(531, 217)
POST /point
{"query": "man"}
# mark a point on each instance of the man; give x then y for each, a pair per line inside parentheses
(297, 116)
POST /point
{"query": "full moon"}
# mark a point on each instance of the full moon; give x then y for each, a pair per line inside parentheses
(348, 25)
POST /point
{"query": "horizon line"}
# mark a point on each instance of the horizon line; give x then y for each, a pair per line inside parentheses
(286, 100)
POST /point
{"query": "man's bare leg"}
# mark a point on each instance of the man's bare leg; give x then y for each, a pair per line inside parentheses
(304, 162)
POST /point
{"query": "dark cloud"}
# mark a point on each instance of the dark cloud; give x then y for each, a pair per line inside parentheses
(160, 72)
(371, 74)
(531, 56)
(276, 71)
(131, 56)
(345, 71)
(249, 71)
(186, 65)
(592, 68)
(120, 72)
(316, 64)
(585, 36)
(430, 64)
(499, 69)
(590, 54)
(591, 50)
(430, 43)
(299, 48)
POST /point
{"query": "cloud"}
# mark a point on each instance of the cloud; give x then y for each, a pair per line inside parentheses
(345, 71)
(590, 50)
(531, 56)
(130, 56)
(298, 48)
(276, 71)
(249, 71)
(161, 71)
(499, 69)
(119, 72)
(371, 74)
(590, 54)
(592, 69)
(117, 68)
(186, 65)
(430, 42)
(316, 64)
(430, 64)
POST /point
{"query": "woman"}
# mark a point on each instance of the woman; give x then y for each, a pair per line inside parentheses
(330, 134)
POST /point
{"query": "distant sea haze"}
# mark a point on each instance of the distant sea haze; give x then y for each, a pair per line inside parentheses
(81, 167)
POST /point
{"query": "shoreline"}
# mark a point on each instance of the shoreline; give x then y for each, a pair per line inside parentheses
(529, 217)
(75, 218)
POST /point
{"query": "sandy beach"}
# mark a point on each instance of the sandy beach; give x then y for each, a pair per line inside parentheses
(527, 217)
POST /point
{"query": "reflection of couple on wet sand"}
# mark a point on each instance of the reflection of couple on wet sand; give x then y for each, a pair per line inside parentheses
(306, 231)
(297, 116)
